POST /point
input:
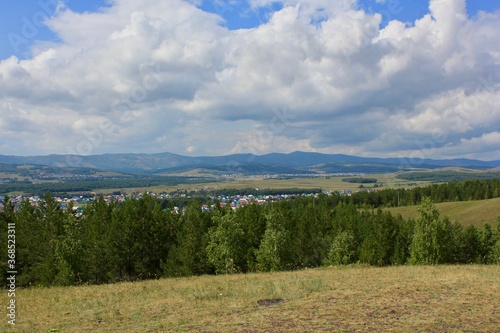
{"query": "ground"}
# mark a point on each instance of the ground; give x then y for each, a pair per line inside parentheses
(344, 299)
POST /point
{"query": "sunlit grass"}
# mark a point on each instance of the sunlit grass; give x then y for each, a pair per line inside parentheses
(352, 299)
(466, 212)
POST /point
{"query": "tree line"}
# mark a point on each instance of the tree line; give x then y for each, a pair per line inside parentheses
(448, 176)
(139, 239)
(453, 191)
(92, 184)
(359, 180)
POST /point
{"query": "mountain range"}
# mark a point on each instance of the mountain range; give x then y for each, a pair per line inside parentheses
(275, 163)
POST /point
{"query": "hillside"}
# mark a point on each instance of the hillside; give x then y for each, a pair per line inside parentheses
(297, 162)
(353, 299)
(467, 212)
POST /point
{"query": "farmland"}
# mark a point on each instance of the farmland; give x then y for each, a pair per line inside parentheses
(325, 183)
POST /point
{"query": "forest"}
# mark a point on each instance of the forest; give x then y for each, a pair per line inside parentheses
(359, 180)
(88, 185)
(448, 176)
(144, 238)
(452, 191)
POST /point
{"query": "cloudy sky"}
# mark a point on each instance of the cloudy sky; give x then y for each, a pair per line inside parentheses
(367, 77)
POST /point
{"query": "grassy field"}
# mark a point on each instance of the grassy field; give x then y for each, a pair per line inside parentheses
(328, 184)
(466, 212)
(388, 180)
(350, 299)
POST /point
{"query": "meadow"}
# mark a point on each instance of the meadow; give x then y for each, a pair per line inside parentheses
(475, 213)
(330, 299)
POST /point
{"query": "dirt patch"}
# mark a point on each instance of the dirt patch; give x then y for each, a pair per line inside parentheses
(269, 302)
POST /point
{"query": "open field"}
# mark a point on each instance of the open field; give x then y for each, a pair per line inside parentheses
(388, 180)
(350, 299)
(326, 183)
(466, 212)
(10, 175)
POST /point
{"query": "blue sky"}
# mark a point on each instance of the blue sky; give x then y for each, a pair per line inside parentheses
(16, 17)
(194, 77)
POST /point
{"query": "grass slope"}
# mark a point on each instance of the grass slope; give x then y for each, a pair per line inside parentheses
(352, 299)
(466, 212)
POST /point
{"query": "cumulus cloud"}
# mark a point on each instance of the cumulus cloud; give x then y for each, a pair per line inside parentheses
(317, 75)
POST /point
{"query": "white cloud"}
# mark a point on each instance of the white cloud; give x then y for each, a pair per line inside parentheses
(319, 75)
(483, 147)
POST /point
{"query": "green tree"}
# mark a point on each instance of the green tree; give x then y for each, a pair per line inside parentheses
(188, 255)
(378, 244)
(494, 253)
(432, 241)
(253, 222)
(403, 240)
(153, 237)
(469, 246)
(141, 235)
(54, 268)
(488, 239)
(7, 216)
(343, 249)
(307, 223)
(100, 259)
(273, 252)
(68, 250)
(225, 246)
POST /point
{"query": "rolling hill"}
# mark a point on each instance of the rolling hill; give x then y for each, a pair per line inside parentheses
(339, 299)
(296, 162)
(467, 212)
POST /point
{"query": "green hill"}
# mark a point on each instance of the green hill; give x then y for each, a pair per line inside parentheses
(352, 299)
(466, 212)
(161, 162)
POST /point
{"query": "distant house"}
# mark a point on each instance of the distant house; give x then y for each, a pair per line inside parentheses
(78, 211)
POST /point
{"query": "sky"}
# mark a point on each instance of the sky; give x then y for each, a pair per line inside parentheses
(381, 78)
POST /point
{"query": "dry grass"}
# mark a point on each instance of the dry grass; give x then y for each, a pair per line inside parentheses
(353, 299)
(11, 176)
(466, 212)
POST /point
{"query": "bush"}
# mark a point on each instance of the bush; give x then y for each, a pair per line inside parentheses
(343, 250)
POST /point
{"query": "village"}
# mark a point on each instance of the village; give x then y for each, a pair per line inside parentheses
(181, 197)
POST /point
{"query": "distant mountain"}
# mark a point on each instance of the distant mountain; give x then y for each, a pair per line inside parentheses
(296, 162)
